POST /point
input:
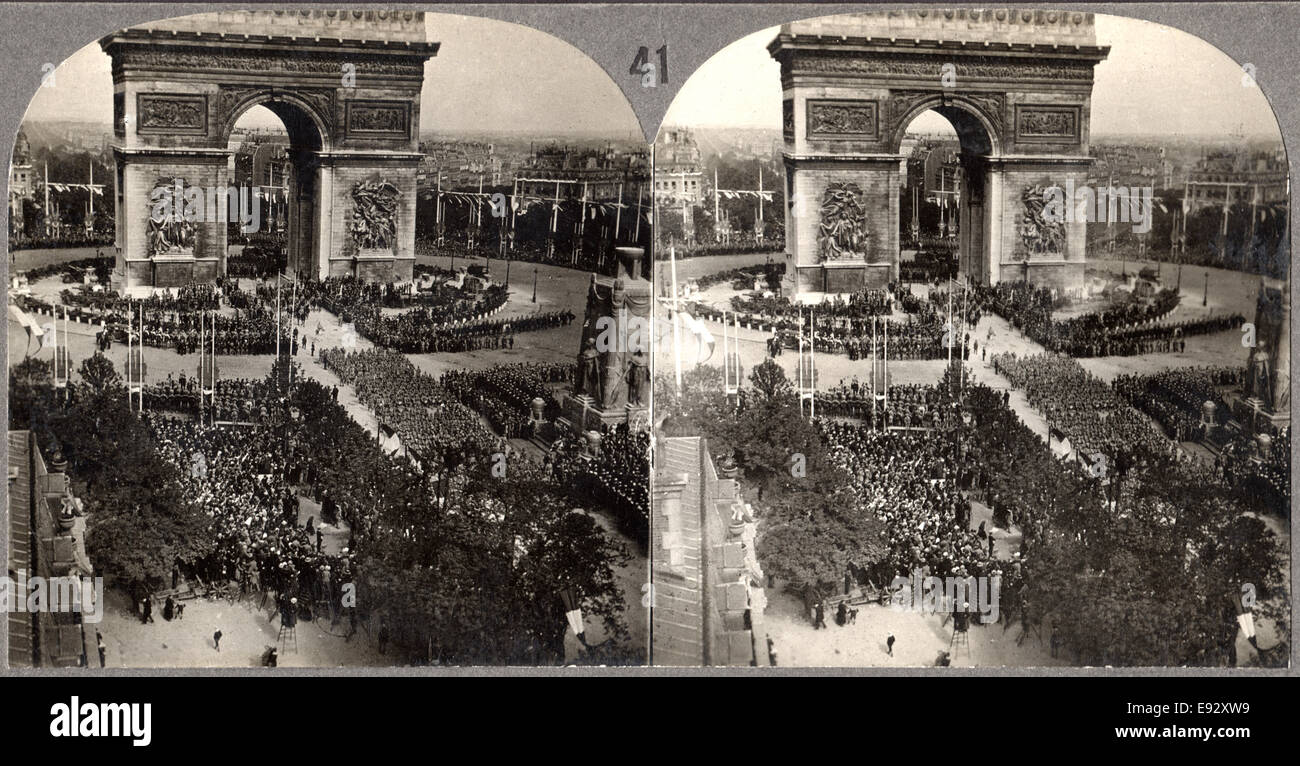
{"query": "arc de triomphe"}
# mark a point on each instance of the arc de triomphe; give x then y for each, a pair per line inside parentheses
(1016, 85)
(346, 85)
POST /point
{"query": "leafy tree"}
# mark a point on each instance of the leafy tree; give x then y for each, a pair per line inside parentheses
(769, 380)
(31, 394)
(813, 538)
(98, 372)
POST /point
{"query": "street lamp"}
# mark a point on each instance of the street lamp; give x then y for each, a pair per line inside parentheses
(534, 284)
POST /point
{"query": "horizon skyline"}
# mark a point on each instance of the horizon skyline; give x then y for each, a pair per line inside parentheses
(478, 57)
(739, 87)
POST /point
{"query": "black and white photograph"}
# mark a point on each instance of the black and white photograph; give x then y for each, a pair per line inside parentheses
(631, 339)
(978, 351)
(311, 359)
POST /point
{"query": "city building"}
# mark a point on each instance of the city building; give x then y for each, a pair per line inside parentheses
(605, 175)
(47, 538)
(1239, 178)
(708, 586)
(1141, 165)
(22, 182)
(679, 171)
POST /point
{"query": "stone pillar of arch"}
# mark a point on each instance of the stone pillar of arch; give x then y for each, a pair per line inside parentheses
(346, 85)
(1017, 87)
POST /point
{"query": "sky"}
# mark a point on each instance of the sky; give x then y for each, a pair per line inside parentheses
(1135, 88)
(475, 83)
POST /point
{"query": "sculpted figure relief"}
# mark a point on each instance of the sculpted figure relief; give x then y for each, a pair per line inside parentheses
(168, 232)
(374, 215)
(843, 232)
(1040, 234)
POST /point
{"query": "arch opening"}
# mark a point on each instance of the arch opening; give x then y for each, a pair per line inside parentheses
(277, 145)
(942, 200)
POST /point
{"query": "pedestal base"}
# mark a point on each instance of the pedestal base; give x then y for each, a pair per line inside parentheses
(841, 278)
(1060, 274)
(171, 270)
(580, 413)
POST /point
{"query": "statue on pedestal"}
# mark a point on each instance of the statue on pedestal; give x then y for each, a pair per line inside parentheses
(1258, 384)
(589, 371)
(614, 331)
(638, 376)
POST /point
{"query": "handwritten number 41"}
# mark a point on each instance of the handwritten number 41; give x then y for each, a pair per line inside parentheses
(651, 75)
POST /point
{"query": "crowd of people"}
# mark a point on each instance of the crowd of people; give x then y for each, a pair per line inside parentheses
(913, 484)
(1080, 405)
(616, 475)
(439, 418)
(1125, 329)
(428, 417)
(1176, 398)
(847, 327)
(241, 478)
(739, 245)
(504, 393)
(416, 332)
(908, 406)
(739, 279)
(233, 400)
(863, 304)
(70, 239)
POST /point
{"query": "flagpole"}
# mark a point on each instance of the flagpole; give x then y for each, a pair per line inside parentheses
(965, 298)
(716, 233)
(799, 374)
(46, 211)
(293, 314)
(640, 190)
(812, 345)
(514, 211)
(142, 357)
(677, 324)
(726, 359)
(618, 214)
(950, 325)
(875, 363)
(437, 212)
(885, 369)
(128, 356)
(582, 225)
(735, 341)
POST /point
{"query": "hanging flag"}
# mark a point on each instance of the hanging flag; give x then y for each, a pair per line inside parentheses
(572, 610)
(705, 340)
(29, 324)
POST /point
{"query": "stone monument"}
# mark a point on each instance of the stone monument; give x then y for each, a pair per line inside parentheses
(1018, 94)
(346, 85)
(612, 382)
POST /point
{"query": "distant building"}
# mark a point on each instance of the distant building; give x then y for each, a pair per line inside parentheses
(679, 172)
(45, 539)
(606, 175)
(1238, 178)
(22, 183)
(462, 165)
(1131, 165)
